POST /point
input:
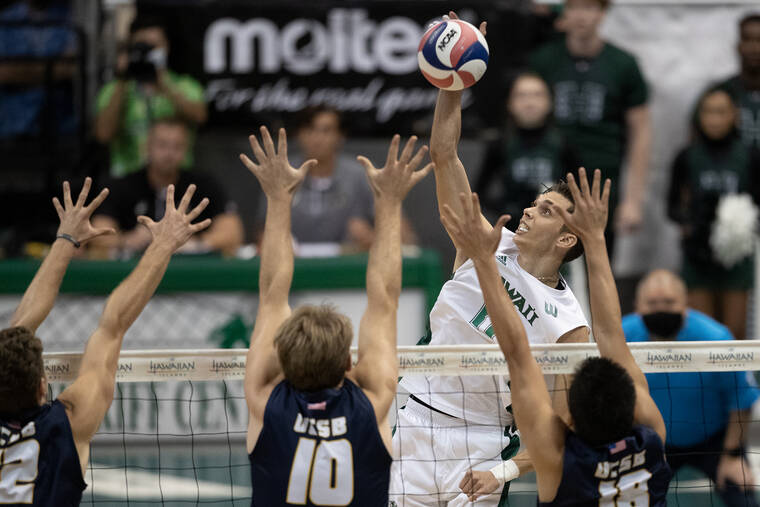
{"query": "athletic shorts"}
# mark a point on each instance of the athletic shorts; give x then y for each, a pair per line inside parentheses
(433, 451)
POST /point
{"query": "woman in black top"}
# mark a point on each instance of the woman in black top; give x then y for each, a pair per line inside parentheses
(530, 156)
(715, 163)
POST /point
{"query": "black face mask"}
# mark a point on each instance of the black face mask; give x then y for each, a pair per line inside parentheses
(663, 324)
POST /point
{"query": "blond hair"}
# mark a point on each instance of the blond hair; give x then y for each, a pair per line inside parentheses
(313, 347)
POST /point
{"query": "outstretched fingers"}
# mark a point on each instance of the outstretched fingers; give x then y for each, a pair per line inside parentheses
(84, 192)
(195, 212)
(258, 152)
(248, 163)
(502, 222)
(393, 151)
(307, 166)
(606, 193)
(58, 208)
(417, 176)
(596, 186)
(67, 195)
(282, 142)
(146, 221)
(169, 198)
(450, 220)
(365, 162)
(185, 202)
(585, 190)
(406, 154)
(97, 201)
(200, 226)
(574, 190)
(417, 159)
(266, 138)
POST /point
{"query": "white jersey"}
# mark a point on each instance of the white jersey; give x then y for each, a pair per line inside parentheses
(459, 317)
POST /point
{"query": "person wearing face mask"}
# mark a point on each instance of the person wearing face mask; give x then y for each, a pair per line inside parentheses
(714, 164)
(144, 90)
(530, 156)
(705, 413)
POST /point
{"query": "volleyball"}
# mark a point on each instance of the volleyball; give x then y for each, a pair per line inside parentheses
(453, 55)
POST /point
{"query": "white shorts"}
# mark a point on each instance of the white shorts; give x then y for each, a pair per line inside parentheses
(433, 451)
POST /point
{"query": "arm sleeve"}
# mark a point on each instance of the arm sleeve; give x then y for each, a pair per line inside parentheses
(678, 176)
(635, 91)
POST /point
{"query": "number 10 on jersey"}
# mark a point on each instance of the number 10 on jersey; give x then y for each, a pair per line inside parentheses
(324, 471)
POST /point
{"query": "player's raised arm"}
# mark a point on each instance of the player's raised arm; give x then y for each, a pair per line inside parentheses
(74, 230)
(377, 369)
(541, 429)
(279, 181)
(588, 220)
(89, 397)
(450, 175)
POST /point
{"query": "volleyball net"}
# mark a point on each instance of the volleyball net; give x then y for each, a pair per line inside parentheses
(175, 433)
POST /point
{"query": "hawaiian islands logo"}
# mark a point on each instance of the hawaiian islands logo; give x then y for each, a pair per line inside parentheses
(420, 362)
(235, 366)
(668, 359)
(54, 371)
(730, 357)
(170, 368)
(484, 361)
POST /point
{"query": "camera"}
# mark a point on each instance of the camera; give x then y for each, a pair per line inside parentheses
(144, 62)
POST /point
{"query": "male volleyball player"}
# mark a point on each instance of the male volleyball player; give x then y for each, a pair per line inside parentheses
(472, 413)
(318, 434)
(612, 452)
(44, 447)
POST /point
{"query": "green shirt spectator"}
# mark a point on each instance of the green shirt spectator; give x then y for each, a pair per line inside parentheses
(139, 111)
(144, 91)
(591, 96)
(600, 105)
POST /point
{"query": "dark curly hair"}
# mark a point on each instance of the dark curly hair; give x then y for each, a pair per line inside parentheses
(601, 401)
(563, 189)
(21, 369)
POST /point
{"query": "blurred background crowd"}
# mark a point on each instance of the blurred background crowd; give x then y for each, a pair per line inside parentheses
(662, 96)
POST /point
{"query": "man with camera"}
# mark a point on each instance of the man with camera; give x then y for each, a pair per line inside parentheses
(144, 90)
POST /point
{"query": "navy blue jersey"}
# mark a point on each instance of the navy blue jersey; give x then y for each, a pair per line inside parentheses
(320, 448)
(39, 464)
(632, 471)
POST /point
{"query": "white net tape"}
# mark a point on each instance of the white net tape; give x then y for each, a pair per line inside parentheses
(224, 364)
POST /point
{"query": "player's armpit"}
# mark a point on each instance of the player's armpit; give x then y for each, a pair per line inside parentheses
(646, 412)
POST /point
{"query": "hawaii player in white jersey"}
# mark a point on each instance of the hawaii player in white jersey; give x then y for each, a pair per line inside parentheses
(455, 438)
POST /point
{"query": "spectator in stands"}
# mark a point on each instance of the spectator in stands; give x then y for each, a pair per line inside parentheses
(704, 412)
(33, 101)
(144, 193)
(600, 104)
(531, 155)
(715, 163)
(745, 87)
(334, 203)
(145, 90)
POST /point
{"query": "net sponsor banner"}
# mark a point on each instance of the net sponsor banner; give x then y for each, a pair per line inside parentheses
(204, 365)
(259, 60)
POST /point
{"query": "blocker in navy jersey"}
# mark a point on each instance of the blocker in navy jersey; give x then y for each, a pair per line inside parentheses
(631, 471)
(320, 448)
(39, 464)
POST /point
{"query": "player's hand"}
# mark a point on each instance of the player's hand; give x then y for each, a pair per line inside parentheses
(75, 217)
(734, 469)
(628, 216)
(277, 177)
(476, 483)
(394, 180)
(176, 227)
(468, 233)
(589, 216)
(453, 15)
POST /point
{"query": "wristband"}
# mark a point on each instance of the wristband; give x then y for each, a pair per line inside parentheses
(506, 471)
(68, 237)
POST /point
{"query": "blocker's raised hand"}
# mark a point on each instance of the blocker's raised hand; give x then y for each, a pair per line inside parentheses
(176, 227)
(398, 176)
(274, 172)
(591, 207)
(75, 217)
(467, 231)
